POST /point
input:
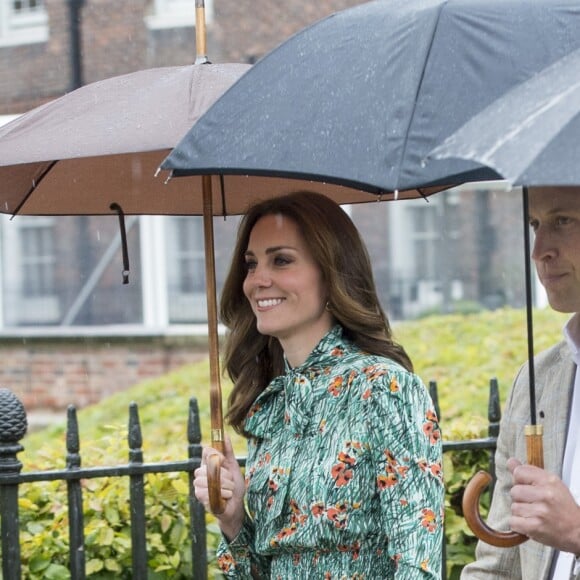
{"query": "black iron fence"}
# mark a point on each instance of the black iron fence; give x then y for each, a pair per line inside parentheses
(13, 426)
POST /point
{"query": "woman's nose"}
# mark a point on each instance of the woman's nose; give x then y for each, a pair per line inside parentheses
(262, 276)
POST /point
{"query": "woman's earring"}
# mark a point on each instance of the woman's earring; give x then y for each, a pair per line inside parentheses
(327, 306)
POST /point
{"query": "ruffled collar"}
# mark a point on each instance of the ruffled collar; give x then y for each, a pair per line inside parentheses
(293, 405)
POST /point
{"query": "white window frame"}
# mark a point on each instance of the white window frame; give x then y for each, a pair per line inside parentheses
(44, 309)
(176, 13)
(22, 28)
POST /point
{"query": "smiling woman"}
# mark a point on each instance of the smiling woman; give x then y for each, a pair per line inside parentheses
(343, 476)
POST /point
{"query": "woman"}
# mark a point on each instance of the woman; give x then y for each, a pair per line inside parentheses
(343, 478)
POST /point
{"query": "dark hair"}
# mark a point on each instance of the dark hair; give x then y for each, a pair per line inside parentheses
(251, 359)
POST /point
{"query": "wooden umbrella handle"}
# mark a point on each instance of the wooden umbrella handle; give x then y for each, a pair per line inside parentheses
(474, 489)
(217, 503)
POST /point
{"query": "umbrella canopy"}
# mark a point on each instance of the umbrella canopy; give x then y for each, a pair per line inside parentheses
(360, 98)
(103, 142)
(530, 134)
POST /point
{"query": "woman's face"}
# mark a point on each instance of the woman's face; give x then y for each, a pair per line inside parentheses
(284, 285)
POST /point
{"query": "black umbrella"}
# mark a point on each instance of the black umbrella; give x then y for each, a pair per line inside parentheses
(360, 98)
(530, 134)
(530, 137)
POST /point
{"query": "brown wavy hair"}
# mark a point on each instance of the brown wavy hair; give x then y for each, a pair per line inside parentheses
(251, 359)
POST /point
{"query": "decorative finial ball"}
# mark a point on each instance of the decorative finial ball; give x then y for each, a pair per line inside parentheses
(13, 422)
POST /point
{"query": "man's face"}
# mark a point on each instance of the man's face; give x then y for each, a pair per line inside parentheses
(555, 219)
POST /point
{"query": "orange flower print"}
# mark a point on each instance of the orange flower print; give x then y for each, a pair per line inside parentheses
(385, 481)
(341, 474)
(317, 509)
(337, 351)
(425, 565)
(430, 429)
(367, 394)
(338, 515)
(353, 548)
(435, 469)
(327, 576)
(403, 502)
(335, 387)
(285, 533)
(428, 519)
(396, 559)
(374, 372)
(322, 426)
(272, 485)
(423, 465)
(394, 386)
(225, 563)
(346, 458)
(402, 470)
(431, 416)
(254, 409)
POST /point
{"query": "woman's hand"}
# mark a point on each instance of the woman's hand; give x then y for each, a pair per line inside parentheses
(233, 489)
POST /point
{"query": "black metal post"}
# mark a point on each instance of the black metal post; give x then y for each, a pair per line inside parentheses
(137, 496)
(75, 499)
(76, 61)
(13, 425)
(196, 511)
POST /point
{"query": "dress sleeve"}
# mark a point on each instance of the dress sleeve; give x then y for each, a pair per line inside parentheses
(405, 443)
(238, 560)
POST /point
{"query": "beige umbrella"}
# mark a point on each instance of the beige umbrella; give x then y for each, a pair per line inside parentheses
(95, 151)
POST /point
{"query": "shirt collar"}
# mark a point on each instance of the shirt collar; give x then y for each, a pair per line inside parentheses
(572, 336)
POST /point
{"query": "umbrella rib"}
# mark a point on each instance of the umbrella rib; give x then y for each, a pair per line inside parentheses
(420, 84)
(35, 184)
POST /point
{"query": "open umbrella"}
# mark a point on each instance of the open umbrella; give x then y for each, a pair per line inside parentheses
(360, 98)
(95, 151)
(530, 137)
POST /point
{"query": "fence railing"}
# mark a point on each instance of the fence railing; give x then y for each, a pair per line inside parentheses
(13, 426)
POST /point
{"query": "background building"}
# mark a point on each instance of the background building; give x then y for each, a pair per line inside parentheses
(70, 332)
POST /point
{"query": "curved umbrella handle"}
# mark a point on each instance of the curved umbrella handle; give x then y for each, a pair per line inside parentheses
(473, 490)
(217, 503)
(474, 520)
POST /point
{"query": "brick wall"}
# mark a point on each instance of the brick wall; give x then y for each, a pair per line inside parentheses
(244, 30)
(48, 375)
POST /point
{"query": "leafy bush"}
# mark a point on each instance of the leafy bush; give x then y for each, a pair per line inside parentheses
(460, 352)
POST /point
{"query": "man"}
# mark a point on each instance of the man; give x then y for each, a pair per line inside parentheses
(543, 503)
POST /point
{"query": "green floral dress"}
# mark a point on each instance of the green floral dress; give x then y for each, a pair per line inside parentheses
(343, 476)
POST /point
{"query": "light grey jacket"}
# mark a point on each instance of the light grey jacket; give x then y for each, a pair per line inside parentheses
(554, 371)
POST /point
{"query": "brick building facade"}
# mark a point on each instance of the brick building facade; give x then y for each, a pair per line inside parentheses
(50, 362)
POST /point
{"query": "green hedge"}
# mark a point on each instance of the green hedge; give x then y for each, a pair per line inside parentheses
(460, 352)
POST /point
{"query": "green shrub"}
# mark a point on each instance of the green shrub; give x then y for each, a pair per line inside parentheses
(460, 352)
